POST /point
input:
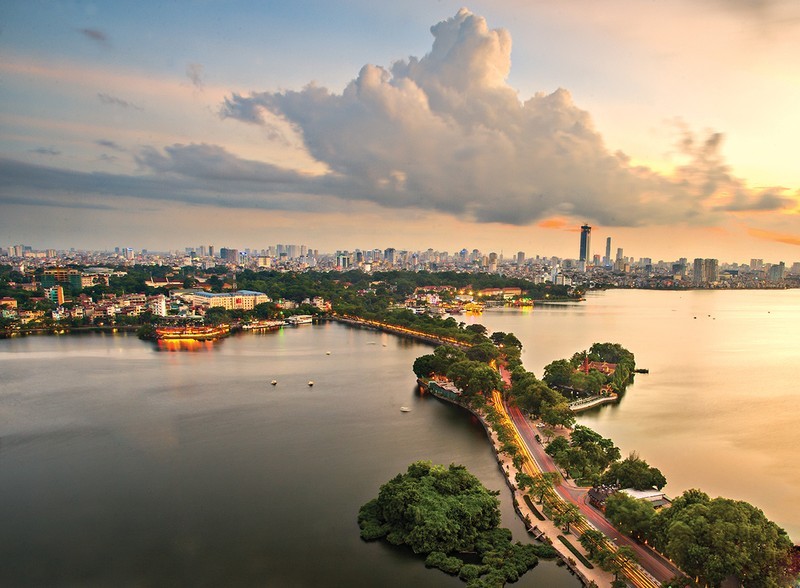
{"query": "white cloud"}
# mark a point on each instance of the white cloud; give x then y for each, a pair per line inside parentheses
(447, 132)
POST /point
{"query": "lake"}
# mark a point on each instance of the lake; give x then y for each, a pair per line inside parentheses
(124, 465)
(720, 408)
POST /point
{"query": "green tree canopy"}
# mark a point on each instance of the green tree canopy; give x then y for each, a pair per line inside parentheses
(634, 472)
(631, 516)
(719, 537)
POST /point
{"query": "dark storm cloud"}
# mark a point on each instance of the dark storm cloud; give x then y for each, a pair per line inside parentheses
(193, 174)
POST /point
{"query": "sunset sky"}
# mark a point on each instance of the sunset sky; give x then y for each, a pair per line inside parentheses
(671, 127)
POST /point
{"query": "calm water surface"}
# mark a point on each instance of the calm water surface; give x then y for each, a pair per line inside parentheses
(121, 465)
(720, 408)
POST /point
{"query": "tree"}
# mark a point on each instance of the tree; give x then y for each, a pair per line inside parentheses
(717, 538)
(510, 340)
(615, 562)
(476, 328)
(557, 414)
(593, 541)
(542, 483)
(558, 373)
(217, 315)
(566, 516)
(631, 516)
(474, 377)
(266, 310)
(497, 337)
(443, 512)
(634, 472)
(484, 352)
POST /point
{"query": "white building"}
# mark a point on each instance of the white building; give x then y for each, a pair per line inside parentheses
(239, 300)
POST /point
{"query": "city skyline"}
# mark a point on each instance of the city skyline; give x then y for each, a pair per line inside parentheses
(343, 126)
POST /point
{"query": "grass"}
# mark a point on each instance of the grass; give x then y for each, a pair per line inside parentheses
(533, 508)
(575, 552)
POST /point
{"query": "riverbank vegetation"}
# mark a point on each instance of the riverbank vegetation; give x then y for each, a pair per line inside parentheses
(446, 514)
(711, 538)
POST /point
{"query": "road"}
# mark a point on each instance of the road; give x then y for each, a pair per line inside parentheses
(655, 565)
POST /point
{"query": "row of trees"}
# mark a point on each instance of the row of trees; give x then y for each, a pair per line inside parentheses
(585, 455)
(469, 370)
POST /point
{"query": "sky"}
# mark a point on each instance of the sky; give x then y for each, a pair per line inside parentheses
(503, 126)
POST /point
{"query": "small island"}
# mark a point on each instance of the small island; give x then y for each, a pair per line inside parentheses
(446, 514)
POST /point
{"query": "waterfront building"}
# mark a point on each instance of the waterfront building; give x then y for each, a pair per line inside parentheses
(586, 243)
(706, 271)
(777, 272)
(239, 300)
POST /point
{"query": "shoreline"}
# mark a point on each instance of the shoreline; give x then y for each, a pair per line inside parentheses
(524, 512)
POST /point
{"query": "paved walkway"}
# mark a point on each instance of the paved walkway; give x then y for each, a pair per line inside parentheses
(546, 526)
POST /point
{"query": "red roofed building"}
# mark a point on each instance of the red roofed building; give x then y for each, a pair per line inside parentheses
(601, 366)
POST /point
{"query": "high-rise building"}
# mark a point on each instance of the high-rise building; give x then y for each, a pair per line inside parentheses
(777, 272)
(586, 243)
(705, 271)
(493, 262)
(607, 260)
(520, 257)
(619, 254)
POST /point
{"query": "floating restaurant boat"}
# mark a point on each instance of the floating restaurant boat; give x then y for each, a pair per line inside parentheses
(262, 325)
(200, 333)
(300, 319)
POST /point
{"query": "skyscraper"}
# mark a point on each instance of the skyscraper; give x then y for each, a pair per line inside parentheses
(607, 260)
(586, 246)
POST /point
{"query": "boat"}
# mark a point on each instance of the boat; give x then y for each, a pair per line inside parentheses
(311, 382)
(200, 333)
(300, 319)
(405, 409)
(262, 325)
(274, 382)
(327, 353)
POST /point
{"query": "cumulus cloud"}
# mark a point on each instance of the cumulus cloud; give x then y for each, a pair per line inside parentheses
(447, 132)
(114, 101)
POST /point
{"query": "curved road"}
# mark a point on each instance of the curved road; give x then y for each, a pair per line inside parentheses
(656, 565)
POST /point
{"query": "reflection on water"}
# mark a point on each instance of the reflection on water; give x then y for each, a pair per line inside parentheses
(123, 466)
(720, 407)
(185, 345)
